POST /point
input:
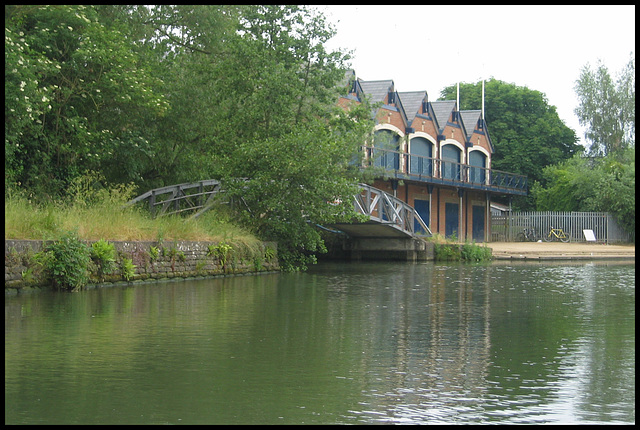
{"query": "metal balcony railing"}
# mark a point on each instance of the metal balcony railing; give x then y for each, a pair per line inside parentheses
(433, 170)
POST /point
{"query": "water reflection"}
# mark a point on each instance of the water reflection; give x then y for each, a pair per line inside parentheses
(344, 343)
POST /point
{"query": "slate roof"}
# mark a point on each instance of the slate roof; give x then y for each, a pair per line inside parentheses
(412, 103)
(442, 110)
(409, 103)
(470, 120)
(377, 90)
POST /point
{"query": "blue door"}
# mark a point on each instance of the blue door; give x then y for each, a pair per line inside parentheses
(451, 220)
(422, 207)
(478, 223)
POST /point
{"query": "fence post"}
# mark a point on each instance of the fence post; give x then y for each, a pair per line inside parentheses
(152, 203)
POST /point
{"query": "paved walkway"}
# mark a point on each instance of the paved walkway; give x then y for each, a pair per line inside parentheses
(561, 251)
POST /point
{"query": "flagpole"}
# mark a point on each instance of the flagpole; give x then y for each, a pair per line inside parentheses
(482, 111)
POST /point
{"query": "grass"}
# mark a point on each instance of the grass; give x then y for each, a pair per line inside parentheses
(451, 250)
(99, 215)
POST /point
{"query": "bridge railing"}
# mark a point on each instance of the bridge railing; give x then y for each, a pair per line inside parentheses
(197, 197)
(180, 198)
(384, 208)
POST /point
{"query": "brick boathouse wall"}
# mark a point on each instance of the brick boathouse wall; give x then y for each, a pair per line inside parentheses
(176, 259)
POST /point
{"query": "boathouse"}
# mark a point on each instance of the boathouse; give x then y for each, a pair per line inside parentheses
(434, 157)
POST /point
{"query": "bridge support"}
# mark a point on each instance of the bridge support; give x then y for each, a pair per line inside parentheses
(389, 249)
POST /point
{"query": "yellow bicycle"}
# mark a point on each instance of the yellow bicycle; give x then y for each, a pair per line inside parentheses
(556, 234)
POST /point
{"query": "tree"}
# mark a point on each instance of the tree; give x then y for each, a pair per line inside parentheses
(253, 95)
(285, 132)
(75, 92)
(526, 132)
(599, 184)
(165, 94)
(607, 108)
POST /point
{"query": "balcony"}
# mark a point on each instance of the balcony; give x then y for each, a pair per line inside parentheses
(409, 167)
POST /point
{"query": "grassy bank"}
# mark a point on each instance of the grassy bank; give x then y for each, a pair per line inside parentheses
(95, 215)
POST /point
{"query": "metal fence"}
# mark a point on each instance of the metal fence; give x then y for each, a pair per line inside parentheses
(505, 228)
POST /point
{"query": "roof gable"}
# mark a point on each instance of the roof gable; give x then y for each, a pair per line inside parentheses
(376, 90)
(470, 121)
(442, 110)
(412, 103)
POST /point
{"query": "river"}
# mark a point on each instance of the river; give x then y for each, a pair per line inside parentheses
(344, 343)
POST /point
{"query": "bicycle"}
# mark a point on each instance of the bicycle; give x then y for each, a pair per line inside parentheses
(527, 234)
(556, 234)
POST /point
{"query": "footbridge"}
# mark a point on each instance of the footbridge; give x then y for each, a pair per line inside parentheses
(392, 228)
(388, 216)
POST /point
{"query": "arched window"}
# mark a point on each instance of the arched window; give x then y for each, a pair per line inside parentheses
(386, 150)
(451, 162)
(420, 161)
(477, 165)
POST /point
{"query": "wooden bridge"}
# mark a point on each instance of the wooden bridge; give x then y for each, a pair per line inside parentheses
(388, 215)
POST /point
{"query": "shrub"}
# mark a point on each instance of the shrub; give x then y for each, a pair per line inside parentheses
(221, 251)
(128, 268)
(103, 254)
(66, 263)
(446, 252)
(473, 252)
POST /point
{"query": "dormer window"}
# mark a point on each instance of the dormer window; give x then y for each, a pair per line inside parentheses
(391, 98)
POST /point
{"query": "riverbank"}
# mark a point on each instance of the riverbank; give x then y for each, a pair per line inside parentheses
(560, 251)
(151, 261)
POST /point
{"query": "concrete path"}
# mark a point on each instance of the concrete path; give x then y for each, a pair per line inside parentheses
(561, 251)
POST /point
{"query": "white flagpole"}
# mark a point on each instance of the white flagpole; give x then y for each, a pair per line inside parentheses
(482, 111)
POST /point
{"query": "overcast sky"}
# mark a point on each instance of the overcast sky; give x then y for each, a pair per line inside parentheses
(432, 47)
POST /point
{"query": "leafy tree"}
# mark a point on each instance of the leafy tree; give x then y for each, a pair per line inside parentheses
(178, 93)
(253, 95)
(288, 137)
(75, 92)
(599, 184)
(607, 108)
(525, 130)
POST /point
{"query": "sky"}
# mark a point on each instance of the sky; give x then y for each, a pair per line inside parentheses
(541, 47)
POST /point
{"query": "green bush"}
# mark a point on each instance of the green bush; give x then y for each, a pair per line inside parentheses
(465, 252)
(222, 251)
(103, 254)
(473, 252)
(66, 263)
(446, 252)
(128, 268)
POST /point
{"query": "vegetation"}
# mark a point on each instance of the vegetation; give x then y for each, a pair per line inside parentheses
(66, 263)
(97, 213)
(607, 108)
(605, 179)
(105, 100)
(449, 249)
(103, 254)
(158, 95)
(600, 184)
(526, 132)
(468, 252)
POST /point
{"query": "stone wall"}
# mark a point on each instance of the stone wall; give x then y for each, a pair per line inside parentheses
(179, 259)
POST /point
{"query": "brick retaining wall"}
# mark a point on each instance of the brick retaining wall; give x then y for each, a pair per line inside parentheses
(179, 259)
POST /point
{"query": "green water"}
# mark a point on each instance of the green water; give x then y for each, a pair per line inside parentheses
(344, 343)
